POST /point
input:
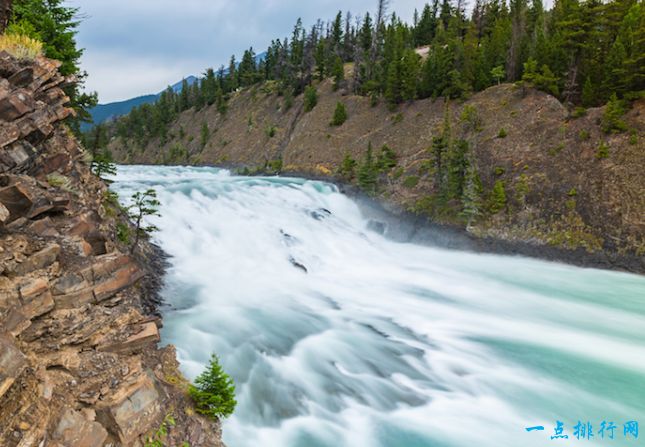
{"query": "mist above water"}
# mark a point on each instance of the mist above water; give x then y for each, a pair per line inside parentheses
(336, 336)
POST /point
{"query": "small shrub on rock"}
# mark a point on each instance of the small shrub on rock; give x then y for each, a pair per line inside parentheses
(498, 197)
(612, 118)
(311, 98)
(20, 46)
(340, 115)
(213, 391)
(411, 181)
(603, 151)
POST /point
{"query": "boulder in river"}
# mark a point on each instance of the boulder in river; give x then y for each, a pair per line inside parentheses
(377, 227)
(320, 213)
(297, 265)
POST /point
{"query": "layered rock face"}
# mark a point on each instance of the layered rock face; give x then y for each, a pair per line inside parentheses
(79, 363)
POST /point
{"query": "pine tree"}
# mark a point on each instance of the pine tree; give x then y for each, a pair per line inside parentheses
(498, 197)
(570, 34)
(393, 84)
(348, 39)
(633, 31)
(102, 161)
(320, 58)
(425, 29)
(386, 160)
(518, 34)
(311, 98)
(144, 204)
(368, 173)
(365, 34)
(209, 87)
(184, 96)
(409, 74)
(213, 391)
(205, 134)
(220, 100)
(347, 168)
(338, 71)
(340, 115)
(543, 80)
(247, 68)
(612, 117)
(336, 36)
(472, 205)
(457, 166)
(197, 95)
(498, 73)
(588, 93)
(232, 76)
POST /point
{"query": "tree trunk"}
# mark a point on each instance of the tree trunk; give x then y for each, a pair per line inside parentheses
(380, 18)
(5, 14)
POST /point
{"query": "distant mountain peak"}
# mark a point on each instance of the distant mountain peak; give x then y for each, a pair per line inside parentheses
(112, 110)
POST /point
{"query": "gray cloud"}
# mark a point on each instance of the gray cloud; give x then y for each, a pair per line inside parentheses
(136, 47)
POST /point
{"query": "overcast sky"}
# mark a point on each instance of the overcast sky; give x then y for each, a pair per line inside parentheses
(136, 47)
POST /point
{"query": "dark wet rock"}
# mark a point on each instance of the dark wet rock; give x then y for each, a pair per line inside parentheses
(17, 200)
(320, 213)
(377, 227)
(298, 265)
(289, 239)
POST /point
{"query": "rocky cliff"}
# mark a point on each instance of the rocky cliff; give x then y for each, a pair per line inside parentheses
(571, 191)
(79, 362)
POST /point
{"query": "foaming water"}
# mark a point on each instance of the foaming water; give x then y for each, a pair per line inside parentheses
(382, 343)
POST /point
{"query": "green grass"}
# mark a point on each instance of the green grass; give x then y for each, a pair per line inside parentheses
(21, 47)
(411, 181)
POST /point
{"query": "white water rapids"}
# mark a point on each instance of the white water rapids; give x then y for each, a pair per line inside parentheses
(383, 343)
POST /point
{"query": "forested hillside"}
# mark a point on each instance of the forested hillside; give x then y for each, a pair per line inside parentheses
(414, 115)
(582, 52)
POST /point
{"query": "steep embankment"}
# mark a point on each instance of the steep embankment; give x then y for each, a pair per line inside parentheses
(562, 192)
(79, 364)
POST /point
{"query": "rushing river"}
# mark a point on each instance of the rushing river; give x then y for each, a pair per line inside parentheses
(383, 343)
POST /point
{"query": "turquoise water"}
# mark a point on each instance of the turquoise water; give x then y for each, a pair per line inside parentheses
(383, 343)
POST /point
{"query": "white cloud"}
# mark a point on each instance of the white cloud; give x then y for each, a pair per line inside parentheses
(118, 76)
(136, 47)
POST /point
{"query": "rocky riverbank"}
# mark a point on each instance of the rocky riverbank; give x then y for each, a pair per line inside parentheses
(79, 332)
(405, 226)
